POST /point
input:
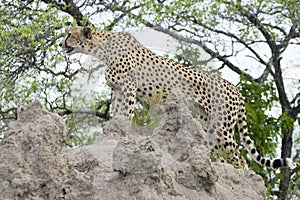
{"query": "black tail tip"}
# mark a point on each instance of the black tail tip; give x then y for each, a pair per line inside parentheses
(284, 163)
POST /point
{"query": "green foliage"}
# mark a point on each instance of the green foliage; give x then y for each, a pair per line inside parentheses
(141, 115)
(223, 155)
(32, 67)
(264, 128)
(28, 35)
(147, 117)
(295, 182)
(259, 99)
(81, 138)
(285, 122)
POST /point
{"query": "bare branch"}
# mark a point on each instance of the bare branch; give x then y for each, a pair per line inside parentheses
(295, 98)
(124, 13)
(295, 111)
(256, 22)
(204, 47)
(70, 7)
(238, 39)
(104, 115)
(263, 76)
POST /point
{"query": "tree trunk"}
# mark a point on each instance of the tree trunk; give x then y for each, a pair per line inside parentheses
(287, 142)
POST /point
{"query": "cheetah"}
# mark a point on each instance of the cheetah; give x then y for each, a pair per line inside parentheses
(134, 72)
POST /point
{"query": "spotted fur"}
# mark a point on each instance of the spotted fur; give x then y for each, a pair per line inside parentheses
(135, 72)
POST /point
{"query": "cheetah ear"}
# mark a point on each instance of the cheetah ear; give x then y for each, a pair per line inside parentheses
(87, 32)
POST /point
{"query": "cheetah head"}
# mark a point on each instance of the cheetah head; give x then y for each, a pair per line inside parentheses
(77, 40)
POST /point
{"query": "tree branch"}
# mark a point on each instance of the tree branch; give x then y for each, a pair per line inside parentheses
(295, 98)
(65, 73)
(204, 47)
(256, 22)
(238, 39)
(70, 7)
(125, 12)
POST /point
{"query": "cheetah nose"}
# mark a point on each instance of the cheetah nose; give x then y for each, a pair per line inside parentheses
(62, 45)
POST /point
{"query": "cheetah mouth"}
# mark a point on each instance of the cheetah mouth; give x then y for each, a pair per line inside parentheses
(69, 49)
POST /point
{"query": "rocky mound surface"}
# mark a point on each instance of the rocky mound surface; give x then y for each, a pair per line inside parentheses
(172, 163)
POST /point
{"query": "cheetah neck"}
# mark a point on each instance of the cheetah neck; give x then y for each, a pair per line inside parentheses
(100, 45)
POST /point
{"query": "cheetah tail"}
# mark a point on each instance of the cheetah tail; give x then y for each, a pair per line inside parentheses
(249, 145)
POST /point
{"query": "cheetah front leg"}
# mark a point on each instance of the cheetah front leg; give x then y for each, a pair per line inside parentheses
(124, 95)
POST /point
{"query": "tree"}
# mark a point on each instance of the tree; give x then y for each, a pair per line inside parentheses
(28, 50)
(32, 67)
(259, 33)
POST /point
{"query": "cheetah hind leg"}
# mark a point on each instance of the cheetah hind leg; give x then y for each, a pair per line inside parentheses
(218, 150)
(228, 153)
